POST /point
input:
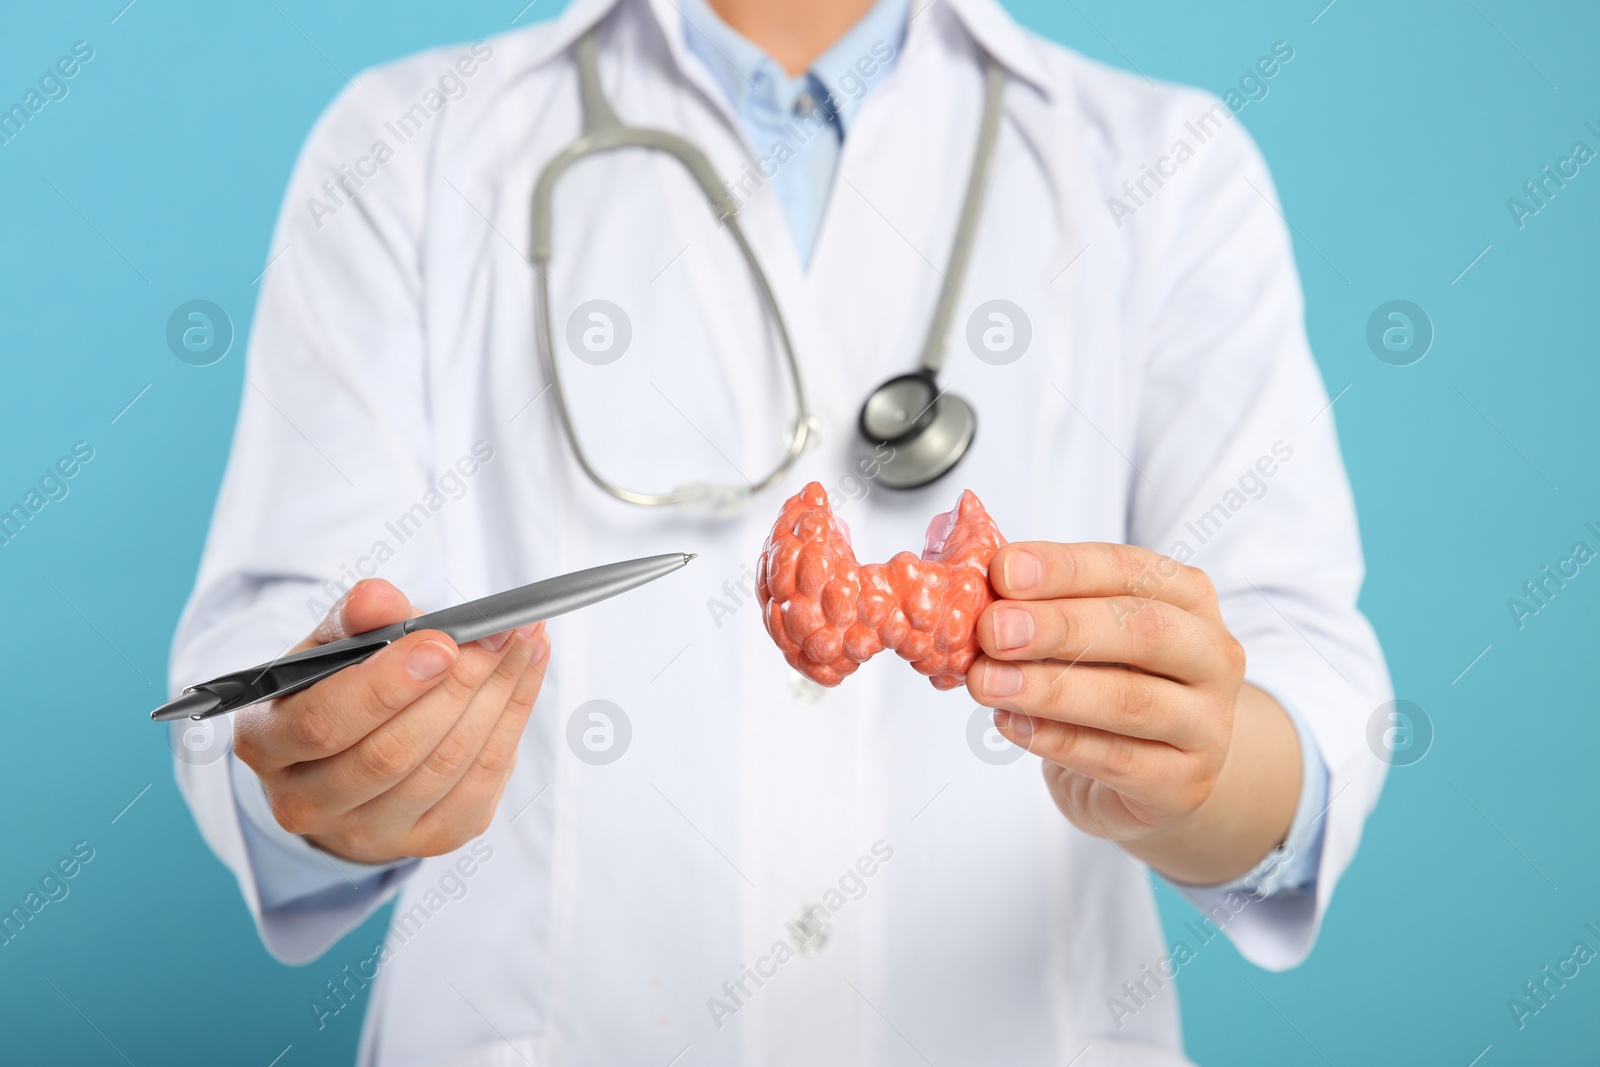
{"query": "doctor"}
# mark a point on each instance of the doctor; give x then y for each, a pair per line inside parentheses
(638, 837)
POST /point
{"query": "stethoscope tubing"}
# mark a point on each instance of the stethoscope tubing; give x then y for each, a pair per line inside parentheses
(603, 131)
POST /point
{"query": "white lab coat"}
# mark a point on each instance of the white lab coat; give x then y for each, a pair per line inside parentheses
(1167, 358)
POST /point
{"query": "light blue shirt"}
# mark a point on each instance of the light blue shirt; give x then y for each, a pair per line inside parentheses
(796, 129)
(796, 126)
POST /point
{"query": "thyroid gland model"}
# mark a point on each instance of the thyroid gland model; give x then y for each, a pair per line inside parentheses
(829, 614)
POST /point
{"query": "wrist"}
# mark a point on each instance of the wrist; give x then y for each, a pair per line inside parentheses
(1250, 809)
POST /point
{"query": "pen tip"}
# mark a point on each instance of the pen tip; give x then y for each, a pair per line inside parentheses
(687, 556)
(188, 706)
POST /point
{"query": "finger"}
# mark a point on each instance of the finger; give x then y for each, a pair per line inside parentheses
(441, 836)
(1045, 570)
(265, 736)
(1104, 698)
(1126, 764)
(466, 811)
(370, 604)
(1095, 807)
(514, 685)
(327, 718)
(397, 744)
(499, 752)
(1149, 634)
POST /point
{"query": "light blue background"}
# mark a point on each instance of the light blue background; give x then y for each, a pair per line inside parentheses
(1396, 135)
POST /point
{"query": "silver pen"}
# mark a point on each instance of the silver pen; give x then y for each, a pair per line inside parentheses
(464, 622)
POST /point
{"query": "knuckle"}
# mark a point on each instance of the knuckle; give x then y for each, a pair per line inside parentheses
(1134, 705)
(296, 814)
(1149, 627)
(360, 839)
(497, 759)
(390, 700)
(313, 732)
(515, 660)
(383, 756)
(1123, 608)
(1128, 564)
(1066, 564)
(1200, 584)
(459, 685)
(524, 696)
(1069, 745)
(449, 756)
(1122, 758)
(1119, 566)
(1060, 688)
(1063, 617)
(1234, 656)
(247, 746)
(1196, 789)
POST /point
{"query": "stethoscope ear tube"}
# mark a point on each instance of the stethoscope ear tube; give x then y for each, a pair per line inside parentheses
(994, 84)
(929, 430)
(604, 131)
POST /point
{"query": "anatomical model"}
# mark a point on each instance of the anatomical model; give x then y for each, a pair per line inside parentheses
(829, 613)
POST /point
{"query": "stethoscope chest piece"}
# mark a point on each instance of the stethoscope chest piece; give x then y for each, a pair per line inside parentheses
(928, 432)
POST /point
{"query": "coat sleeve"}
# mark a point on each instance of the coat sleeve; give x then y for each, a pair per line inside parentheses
(1240, 474)
(328, 480)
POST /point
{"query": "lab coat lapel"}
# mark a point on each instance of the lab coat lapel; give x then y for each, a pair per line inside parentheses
(995, 32)
(567, 27)
(885, 243)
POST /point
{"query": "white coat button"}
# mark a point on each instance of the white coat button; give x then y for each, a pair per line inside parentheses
(810, 930)
(804, 689)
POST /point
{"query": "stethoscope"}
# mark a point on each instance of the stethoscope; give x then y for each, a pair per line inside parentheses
(925, 429)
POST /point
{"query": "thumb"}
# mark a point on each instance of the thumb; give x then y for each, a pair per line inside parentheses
(370, 603)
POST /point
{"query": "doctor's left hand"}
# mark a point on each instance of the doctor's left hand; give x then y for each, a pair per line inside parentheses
(1113, 664)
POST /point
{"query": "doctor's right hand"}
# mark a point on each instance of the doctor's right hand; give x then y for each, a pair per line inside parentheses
(405, 754)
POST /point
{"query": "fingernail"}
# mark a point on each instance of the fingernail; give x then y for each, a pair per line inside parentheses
(1002, 718)
(428, 661)
(1013, 628)
(525, 632)
(1002, 679)
(541, 653)
(495, 642)
(1023, 570)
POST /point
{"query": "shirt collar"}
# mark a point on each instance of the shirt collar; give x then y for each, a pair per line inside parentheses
(863, 57)
(752, 80)
(989, 25)
(736, 64)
